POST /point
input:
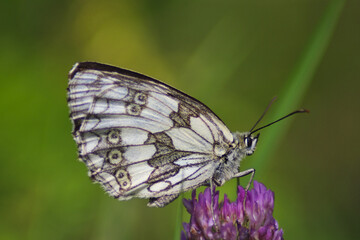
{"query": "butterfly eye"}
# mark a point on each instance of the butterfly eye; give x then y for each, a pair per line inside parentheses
(248, 141)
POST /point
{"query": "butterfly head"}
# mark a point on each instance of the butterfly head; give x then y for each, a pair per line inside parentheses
(247, 142)
(250, 142)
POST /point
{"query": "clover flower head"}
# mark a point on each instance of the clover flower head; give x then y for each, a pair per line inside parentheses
(232, 222)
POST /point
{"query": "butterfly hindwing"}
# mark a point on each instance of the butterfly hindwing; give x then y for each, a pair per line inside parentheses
(140, 137)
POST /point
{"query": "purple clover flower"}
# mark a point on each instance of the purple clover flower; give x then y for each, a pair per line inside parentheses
(232, 223)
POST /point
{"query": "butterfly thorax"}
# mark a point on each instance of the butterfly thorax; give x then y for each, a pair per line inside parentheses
(243, 145)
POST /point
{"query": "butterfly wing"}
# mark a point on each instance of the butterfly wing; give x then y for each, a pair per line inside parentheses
(140, 137)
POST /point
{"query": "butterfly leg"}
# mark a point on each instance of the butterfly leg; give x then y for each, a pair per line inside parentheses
(212, 189)
(245, 173)
(162, 201)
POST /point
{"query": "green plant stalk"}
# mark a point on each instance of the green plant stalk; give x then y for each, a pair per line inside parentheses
(179, 217)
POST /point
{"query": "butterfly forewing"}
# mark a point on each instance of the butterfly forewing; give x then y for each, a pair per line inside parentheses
(140, 137)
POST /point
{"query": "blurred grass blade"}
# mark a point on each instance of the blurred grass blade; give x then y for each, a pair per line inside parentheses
(300, 80)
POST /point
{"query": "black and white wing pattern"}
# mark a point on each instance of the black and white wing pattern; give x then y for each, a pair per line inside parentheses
(142, 138)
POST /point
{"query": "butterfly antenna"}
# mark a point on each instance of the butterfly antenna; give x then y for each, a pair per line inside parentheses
(267, 108)
(290, 114)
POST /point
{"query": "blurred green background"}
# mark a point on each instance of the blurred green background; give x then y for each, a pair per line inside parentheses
(232, 55)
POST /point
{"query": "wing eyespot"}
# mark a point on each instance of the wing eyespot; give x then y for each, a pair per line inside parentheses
(140, 98)
(113, 137)
(133, 109)
(114, 156)
(122, 177)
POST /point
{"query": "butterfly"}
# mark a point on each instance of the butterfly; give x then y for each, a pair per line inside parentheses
(141, 138)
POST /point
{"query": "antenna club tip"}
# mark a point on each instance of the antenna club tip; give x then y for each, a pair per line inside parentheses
(305, 110)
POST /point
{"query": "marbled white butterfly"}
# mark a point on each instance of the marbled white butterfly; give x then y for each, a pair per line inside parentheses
(142, 138)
